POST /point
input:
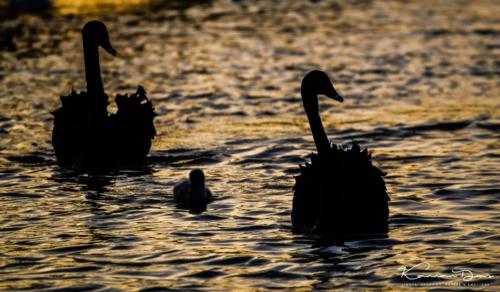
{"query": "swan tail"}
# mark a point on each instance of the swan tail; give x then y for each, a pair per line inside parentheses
(133, 125)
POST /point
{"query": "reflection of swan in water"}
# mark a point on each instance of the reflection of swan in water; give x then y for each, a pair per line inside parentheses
(340, 193)
(193, 194)
(84, 135)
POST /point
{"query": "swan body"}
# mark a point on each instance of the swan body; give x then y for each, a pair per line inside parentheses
(193, 193)
(340, 192)
(84, 134)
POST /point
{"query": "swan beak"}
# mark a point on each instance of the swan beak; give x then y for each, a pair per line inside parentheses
(111, 51)
(337, 97)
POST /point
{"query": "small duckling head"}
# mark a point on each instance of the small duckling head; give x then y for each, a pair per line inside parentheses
(197, 179)
(317, 82)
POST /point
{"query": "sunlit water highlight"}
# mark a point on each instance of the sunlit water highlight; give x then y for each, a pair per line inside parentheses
(421, 81)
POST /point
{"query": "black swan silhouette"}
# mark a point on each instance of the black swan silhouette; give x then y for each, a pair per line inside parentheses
(340, 193)
(193, 194)
(84, 134)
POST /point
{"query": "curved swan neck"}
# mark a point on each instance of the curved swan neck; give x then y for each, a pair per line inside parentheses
(311, 107)
(95, 87)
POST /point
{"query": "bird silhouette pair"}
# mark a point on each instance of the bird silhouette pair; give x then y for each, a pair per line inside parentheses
(340, 193)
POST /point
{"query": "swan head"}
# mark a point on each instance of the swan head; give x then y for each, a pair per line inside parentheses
(96, 33)
(317, 82)
(197, 179)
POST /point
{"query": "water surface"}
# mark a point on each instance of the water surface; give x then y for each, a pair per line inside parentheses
(421, 83)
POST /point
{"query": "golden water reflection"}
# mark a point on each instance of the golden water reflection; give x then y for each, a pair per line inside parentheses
(98, 6)
(421, 87)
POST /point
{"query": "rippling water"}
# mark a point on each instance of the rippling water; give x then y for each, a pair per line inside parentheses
(421, 81)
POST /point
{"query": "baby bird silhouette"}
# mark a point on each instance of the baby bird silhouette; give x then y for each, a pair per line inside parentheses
(192, 193)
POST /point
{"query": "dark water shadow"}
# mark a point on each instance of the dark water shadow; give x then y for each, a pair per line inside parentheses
(195, 209)
(342, 256)
(404, 131)
(184, 157)
(93, 185)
